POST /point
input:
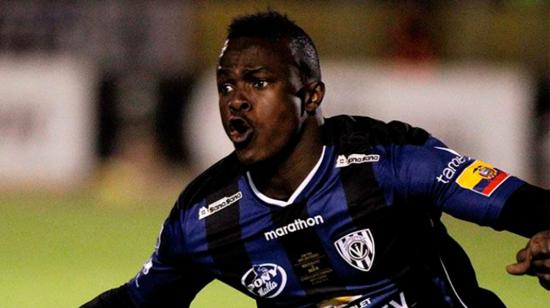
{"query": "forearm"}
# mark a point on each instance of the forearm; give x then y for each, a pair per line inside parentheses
(526, 212)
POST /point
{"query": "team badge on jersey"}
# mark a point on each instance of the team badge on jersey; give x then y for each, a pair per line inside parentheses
(265, 280)
(481, 177)
(357, 248)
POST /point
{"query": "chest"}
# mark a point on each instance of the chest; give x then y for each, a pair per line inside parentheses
(343, 235)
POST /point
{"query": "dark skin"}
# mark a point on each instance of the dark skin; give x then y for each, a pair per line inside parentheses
(534, 259)
(272, 115)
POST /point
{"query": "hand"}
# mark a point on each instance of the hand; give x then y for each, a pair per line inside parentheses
(534, 259)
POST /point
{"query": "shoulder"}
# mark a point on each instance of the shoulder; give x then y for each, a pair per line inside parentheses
(222, 174)
(360, 129)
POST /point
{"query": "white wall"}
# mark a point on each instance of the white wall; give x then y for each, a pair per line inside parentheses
(46, 121)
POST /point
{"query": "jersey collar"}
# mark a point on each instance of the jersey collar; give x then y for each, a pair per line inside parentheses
(295, 194)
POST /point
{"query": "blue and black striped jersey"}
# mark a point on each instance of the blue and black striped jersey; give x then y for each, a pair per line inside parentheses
(362, 230)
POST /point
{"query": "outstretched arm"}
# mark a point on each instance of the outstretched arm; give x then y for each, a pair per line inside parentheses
(527, 212)
(475, 191)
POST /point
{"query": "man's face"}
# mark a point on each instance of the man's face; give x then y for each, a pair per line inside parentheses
(257, 86)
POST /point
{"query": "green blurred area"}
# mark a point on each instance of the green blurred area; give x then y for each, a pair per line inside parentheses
(62, 250)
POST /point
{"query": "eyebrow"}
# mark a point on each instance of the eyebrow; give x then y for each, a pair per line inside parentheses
(246, 71)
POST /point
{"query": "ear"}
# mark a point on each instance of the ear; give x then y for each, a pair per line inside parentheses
(314, 94)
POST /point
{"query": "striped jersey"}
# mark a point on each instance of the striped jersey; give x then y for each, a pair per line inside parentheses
(362, 230)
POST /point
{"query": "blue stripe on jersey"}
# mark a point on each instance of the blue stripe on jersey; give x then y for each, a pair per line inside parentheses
(255, 222)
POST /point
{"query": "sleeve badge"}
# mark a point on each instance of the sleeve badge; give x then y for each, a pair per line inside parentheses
(481, 178)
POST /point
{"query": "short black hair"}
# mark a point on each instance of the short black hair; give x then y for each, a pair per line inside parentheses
(275, 26)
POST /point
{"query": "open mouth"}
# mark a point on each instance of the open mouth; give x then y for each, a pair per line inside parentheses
(240, 132)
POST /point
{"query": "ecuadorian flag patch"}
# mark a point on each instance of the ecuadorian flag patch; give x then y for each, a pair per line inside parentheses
(481, 177)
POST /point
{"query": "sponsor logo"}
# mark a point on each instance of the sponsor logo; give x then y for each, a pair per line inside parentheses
(296, 225)
(219, 205)
(361, 302)
(342, 301)
(265, 280)
(344, 161)
(450, 170)
(481, 178)
(357, 248)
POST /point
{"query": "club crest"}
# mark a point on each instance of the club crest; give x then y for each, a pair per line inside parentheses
(357, 248)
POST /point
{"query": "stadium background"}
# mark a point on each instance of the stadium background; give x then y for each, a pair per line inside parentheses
(98, 101)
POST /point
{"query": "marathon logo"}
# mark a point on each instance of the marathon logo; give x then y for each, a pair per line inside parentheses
(296, 225)
(345, 161)
(219, 205)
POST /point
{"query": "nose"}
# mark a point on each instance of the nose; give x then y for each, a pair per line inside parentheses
(239, 104)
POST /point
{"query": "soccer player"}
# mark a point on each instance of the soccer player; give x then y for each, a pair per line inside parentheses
(327, 212)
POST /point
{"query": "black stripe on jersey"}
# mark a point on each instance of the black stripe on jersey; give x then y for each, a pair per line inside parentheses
(368, 209)
(305, 250)
(359, 131)
(363, 194)
(223, 233)
(401, 235)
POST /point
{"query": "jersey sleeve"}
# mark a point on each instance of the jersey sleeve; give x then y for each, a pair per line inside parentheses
(434, 176)
(168, 278)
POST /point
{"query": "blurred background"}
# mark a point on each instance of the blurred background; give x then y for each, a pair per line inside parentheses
(109, 108)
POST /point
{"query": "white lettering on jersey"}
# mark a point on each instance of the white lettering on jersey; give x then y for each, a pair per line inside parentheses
(344, 161)
(450, 170)
(265, 280)
(296, 225)
(362, 304)
(219, 205)
(353, 302)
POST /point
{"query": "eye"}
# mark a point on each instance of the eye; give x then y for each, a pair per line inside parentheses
(260, 83)
(225, 88)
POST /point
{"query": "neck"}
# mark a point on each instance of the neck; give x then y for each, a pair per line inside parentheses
(279, 177)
